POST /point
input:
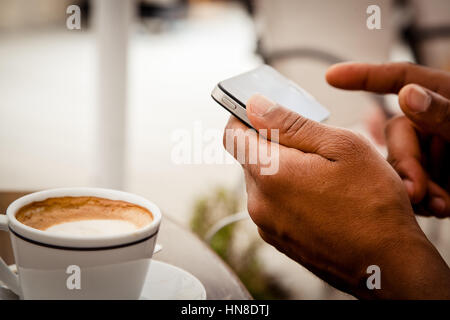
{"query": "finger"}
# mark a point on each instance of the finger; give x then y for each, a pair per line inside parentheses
(404, 154)
(439, 201)
(386, 78)
(428, 110)
(438, 160)
(237, 140)
(258, 156)
(235, 123)
(294, 131)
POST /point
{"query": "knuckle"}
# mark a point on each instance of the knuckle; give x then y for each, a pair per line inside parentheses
(403, 66)
(293, 123)
(348, 141)
(403, 69)
(407, 64)
(351, 146)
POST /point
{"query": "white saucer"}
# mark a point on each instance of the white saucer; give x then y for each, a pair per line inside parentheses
(163, 282)
(167, 282)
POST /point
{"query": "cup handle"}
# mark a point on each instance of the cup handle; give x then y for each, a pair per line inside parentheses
(9, 278)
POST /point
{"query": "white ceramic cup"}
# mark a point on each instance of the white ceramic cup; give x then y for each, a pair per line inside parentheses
(56, 266)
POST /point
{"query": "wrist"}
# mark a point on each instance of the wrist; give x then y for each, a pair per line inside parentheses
(410, 268)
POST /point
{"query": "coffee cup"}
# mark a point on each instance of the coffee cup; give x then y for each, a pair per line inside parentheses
(68, 262)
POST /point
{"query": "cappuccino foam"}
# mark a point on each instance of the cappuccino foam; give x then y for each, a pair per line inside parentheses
(84, 216)
(92, 227)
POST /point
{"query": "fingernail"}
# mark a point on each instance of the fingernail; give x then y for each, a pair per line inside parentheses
(260, 105)
(409, 185)
(437, 204)
(418, 99)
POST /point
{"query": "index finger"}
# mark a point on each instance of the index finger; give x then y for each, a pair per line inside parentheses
(386, 78)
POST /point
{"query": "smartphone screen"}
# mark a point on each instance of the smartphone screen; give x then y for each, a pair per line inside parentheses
(270, 83)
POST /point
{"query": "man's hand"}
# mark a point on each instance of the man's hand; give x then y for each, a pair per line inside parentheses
(336, 206)
(418, 142)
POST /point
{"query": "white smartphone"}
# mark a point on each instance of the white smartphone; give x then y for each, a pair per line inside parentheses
(233, 93)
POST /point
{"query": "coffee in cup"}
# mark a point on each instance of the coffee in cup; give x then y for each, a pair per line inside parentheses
(84, 216)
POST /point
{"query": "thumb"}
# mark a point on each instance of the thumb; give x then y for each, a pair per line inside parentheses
(429, 111)
(290, 129)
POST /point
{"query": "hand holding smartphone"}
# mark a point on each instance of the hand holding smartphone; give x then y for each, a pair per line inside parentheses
(233, 94)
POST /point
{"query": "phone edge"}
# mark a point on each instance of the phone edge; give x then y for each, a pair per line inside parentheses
(240, 112)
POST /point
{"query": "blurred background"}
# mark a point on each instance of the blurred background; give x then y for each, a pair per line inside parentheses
(99, 105)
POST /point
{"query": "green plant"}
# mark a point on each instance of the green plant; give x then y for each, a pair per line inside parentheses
(207, 211)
